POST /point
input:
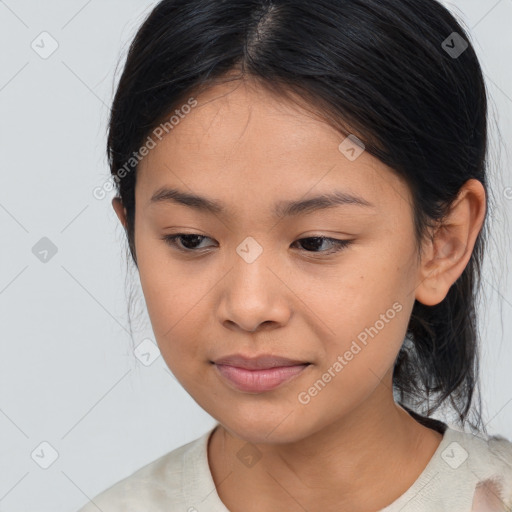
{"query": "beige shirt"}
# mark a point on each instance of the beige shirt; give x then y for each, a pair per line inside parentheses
(466, 474)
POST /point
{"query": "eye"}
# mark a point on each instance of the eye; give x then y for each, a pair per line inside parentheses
(190, 241)
(338, 245)
(187, 242)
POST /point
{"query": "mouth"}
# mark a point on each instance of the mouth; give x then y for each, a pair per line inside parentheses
(258, 374)
(261, 362)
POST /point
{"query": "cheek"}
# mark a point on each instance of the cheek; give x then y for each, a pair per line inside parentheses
(366, 336)
(356, 292)
(366, 305)
(174, 301)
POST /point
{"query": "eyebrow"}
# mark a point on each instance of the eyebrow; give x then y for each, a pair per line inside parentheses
(285, 208)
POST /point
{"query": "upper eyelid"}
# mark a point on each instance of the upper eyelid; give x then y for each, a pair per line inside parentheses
(177, 235)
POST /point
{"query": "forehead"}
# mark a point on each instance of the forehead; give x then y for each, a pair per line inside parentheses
(241, 142)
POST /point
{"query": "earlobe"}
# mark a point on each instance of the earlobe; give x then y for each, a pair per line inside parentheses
(449, 250)
(117, 204)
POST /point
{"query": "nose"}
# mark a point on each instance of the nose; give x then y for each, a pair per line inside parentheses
(254, 296)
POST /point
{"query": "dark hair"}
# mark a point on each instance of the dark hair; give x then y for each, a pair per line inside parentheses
(384, 70)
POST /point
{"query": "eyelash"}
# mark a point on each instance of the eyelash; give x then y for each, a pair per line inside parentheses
(340, 244)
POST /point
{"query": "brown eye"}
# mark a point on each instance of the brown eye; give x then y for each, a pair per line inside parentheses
(184, 241)
(189, 242)
(313, 243)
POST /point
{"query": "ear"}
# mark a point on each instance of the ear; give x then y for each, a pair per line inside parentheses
(120, 210)
(446, 254)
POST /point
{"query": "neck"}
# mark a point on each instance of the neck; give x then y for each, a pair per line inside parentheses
(363, 461)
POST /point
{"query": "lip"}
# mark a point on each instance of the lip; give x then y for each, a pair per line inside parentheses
(261, 362)
(258, 374)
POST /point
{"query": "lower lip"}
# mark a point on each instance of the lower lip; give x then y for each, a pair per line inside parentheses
(259, 380)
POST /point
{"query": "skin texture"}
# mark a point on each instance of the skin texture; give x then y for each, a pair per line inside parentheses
(351, 447)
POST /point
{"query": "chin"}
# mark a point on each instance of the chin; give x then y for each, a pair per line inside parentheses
(273, 429)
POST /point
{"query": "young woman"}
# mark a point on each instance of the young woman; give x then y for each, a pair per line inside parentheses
(304, 191)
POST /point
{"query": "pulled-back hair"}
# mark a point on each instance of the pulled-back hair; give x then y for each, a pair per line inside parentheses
(393, 73)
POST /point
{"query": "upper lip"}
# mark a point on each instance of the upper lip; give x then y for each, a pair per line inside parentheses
(258, 362)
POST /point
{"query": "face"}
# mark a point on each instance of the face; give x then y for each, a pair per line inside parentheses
(252, 277)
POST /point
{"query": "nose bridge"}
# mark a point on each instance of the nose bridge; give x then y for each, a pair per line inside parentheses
(251, 265)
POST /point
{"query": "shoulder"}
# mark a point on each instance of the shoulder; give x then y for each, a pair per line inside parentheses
(467, 472)
(155, 486)
(489, 459)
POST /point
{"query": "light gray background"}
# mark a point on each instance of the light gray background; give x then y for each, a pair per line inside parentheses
(68, 374)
